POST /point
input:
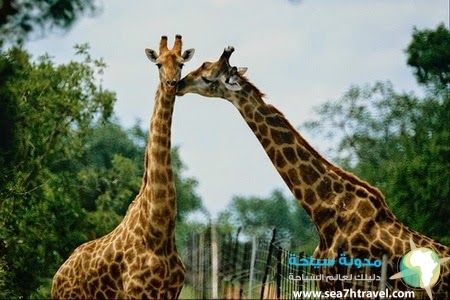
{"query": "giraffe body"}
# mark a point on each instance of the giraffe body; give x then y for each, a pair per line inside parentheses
(351, 216)
(138, 259)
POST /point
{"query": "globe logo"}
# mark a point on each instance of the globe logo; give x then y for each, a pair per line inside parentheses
(420, 268)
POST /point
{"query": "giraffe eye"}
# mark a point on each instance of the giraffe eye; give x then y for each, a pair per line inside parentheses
(181, 66)
(206, 80)
(158, 65)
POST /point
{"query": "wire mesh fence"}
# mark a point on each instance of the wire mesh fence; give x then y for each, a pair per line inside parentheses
(223, 267)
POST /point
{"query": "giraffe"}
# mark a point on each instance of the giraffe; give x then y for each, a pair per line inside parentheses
(351, 216)
(138, 259)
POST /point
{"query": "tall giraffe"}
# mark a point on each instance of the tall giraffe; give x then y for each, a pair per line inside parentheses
(138, 259)
(351, 216)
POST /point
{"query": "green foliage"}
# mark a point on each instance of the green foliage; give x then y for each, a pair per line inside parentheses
(429, 56)
(20, 18)
(46, 110)
(112, 190)
(399, 143)
(111, 169)
(258, 216)
(112, 174)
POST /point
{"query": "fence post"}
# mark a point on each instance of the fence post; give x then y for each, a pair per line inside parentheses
(252, 268)
(300, 271)
(278, 255)
(244, 267)
(269, 258)
(214, 262)
(201, 249)
(194, 262)
(384, 263)
(189, 258)
(234, 260)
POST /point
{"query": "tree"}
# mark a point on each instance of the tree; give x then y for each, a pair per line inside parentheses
(111, 165)
(429, 56)
(20, 18)
(111, 176)
(400, 144)
(46, 110)
(258, 216)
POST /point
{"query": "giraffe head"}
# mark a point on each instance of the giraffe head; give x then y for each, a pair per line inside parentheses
(169, 62)
(213, 79)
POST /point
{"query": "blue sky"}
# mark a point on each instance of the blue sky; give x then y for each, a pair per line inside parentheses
(300, 55)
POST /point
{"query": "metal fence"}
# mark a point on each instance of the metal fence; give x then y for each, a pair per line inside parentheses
(223, 267)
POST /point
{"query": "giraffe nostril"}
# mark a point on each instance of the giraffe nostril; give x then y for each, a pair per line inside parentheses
(171, 82)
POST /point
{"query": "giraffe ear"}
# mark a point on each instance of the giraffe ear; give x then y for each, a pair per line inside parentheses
(151, 54)
(230, 83)
(242, 70)
(188, 54)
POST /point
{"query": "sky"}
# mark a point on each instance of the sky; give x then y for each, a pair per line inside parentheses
(300, 54)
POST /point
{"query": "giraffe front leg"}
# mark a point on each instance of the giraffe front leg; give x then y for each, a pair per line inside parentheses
(177, 278)
(176, 284)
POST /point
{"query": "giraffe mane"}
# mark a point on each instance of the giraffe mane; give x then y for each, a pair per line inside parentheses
(252, 86)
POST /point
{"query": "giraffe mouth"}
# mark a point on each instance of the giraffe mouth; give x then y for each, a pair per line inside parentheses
(179, 88)
(172, 90)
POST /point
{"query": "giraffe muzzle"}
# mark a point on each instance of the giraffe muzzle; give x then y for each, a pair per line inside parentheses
(171, 83)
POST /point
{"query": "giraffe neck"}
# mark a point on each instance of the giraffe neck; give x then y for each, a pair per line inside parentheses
(322, 189)
(157, 199)
(158, 161)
